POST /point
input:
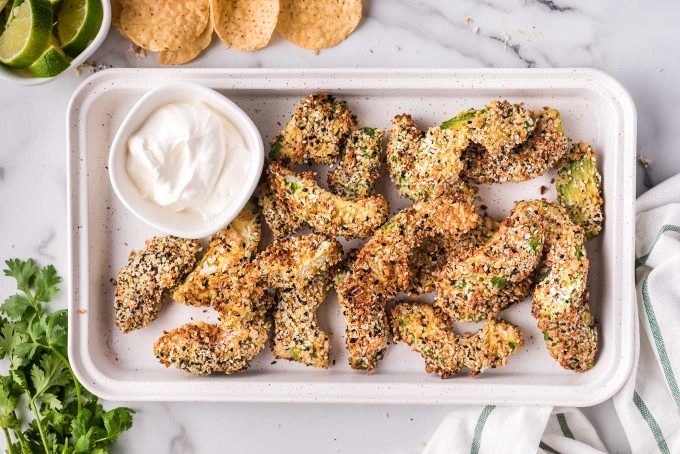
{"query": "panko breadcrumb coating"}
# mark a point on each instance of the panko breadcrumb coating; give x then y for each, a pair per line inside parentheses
(359, 168)
(544, 148)
(301, 268)
(326, 212)
(432, 255)
(278, 217)
(560, 296)
(579, 189)
(382, 268)
(232, 247)
(297, 335)
(497, 128)
(244, 327)
(429, 332)
(203, 348)
(318, 128)
(494, 276)
(422, 166)
(143, 282)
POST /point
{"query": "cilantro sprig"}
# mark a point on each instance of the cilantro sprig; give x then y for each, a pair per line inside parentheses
(43, 407)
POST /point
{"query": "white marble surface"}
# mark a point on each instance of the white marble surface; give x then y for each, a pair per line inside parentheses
(635, 41)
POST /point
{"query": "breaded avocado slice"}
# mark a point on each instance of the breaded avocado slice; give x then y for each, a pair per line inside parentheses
(315, 133)
(429, 332)
(579, 189)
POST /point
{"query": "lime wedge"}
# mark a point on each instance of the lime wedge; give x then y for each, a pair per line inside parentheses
(51, 62)
(26, 34)
(78, 22)
(55, 6)
(4, 14)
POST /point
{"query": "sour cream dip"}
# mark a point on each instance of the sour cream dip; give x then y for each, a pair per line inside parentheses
(187, 157)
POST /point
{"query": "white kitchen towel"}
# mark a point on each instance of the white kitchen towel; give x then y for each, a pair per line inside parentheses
(648, 405)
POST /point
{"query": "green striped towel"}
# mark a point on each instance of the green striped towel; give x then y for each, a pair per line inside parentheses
(648, 405)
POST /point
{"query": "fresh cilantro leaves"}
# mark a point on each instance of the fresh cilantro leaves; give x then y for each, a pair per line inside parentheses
(62, 417)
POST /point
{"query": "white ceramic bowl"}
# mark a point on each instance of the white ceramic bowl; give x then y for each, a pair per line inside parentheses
(182, 224)
(21, 78)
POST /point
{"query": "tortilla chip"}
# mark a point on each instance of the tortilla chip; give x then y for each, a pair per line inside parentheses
(317, 24)
(181, 56)
(116, 8)
(159, 25)
(244, 24)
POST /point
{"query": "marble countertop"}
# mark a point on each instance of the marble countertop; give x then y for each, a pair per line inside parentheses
(636, 44)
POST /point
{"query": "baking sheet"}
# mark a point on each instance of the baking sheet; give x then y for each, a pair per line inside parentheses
(594, 108)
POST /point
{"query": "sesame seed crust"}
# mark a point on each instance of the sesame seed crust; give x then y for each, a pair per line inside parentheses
(497, 274)
(423, 165)
(277, 215)
(243, 306)
(501, 126)
(326, 212)
(229, 347)
(359, 168)
(319, 126)
(432, 255)
(541, 151)
(232, 247)
(382, 268)
(428, 331)
(149, 274)
(579, 189)
(297, 335)
(560, 296)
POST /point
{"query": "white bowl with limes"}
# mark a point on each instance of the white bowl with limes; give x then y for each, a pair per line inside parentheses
(28, 28)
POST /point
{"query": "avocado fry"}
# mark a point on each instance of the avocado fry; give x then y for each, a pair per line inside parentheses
(497, 128)
(142, 284)
(359, 168)
(560, 296)
(382, 268)
(232, 247)
(319, 126)
(429, 332)
(579, 189)
(497, 274)
(542, 150)
(324, 211)
(423, 165)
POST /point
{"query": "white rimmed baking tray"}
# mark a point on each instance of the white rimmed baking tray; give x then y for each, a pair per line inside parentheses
(594, 108)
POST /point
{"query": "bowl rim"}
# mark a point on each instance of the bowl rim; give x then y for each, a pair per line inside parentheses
(224, 106)
(11, 75)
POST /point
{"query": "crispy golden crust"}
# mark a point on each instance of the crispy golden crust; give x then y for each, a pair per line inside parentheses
(141, 284)
(497, 128)
(326, 212)
(293, 262)
(243, 305)
(422, 166)
(359, 167)
(302, 269)
(429, 332)
(203, 348)
(318, 128)
(560, 297)
(543, 149)
(382, 269)
(579, 189)
(497, 274)
(230, 248)
(277, 215)
(297, 335)
(432, 255)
